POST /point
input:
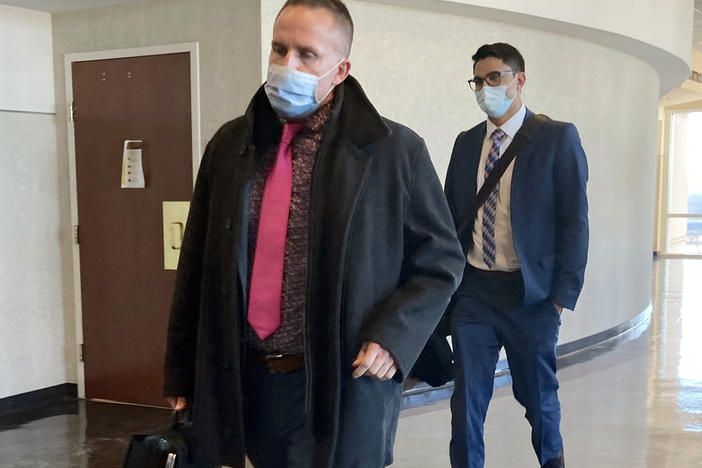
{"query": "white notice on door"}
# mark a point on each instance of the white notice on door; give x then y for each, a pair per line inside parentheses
(132, 168)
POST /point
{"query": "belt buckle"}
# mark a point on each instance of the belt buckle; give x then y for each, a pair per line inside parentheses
(269, 360)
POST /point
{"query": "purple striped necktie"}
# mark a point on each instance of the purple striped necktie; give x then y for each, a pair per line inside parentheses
(490, 206)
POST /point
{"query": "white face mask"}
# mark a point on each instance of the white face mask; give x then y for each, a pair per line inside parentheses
(493, 100)
(292, 93)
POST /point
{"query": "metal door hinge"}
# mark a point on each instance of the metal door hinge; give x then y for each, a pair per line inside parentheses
(71, 112)
(76, 239)
(81, 356)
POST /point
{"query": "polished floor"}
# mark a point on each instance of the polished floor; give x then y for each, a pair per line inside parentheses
(629, 403)
(632, 403)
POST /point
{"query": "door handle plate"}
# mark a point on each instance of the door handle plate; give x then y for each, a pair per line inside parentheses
(175, 215)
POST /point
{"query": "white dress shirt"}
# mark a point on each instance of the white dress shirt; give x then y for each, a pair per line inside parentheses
(506, 258)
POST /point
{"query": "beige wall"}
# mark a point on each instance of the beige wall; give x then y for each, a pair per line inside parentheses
(229, 46)
(414, 65)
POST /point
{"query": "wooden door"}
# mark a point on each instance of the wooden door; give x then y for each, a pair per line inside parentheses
(126, 293)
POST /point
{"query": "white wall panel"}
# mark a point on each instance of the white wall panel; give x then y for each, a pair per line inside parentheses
(26, 66)
(32, 331)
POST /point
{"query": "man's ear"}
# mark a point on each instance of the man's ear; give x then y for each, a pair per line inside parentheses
(521, 80)
(342, 72)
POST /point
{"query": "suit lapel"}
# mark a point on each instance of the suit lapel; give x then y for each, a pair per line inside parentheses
(475, 149)
(464, 176)
(521, 164)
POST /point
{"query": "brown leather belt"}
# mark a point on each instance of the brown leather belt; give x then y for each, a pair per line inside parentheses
(280, 363)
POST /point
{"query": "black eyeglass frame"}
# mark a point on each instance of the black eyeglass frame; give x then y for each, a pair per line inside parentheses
(476, 83)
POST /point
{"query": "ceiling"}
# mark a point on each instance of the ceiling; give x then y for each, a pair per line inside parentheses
(54, 6)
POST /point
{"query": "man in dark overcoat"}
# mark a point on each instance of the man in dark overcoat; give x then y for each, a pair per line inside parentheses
(318, 257)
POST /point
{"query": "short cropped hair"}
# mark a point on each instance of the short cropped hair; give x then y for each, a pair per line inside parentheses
(503, 51)
(341, 14)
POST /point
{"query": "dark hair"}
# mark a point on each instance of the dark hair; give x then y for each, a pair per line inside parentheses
(336, 8)
(503, 51)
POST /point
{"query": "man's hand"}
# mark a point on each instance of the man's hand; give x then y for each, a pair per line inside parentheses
(558, 307)
(374, 361)
(177, 403)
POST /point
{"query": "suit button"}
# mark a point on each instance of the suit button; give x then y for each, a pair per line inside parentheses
(228, 224)
(242, 149)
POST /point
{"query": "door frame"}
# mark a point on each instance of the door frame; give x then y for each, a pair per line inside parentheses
(69, 59)
(663, 194)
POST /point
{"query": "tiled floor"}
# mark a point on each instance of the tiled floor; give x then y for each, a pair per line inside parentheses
(632, 403)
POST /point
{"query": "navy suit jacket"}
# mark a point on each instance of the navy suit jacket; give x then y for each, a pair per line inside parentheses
(548, 207)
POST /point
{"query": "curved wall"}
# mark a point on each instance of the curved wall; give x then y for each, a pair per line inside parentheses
(658, 31)
(664, 24)
(414, 65)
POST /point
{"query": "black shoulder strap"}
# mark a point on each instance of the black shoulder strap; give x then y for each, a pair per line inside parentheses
(527, 131)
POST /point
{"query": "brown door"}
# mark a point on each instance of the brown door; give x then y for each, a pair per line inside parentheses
(126, 292)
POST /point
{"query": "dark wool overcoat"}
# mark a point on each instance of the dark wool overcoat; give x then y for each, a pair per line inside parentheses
(383, 262)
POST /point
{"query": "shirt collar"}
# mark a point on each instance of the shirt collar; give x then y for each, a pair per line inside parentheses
(512, 126)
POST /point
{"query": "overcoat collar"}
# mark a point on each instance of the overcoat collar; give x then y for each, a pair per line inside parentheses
(358, 120)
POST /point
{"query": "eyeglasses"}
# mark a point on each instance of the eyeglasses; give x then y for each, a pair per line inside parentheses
(492, 79)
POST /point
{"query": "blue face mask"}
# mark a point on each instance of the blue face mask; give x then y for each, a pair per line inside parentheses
(493, 100)
(292, 93)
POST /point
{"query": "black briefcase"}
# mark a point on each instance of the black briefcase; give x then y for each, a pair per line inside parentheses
(161, 448)
(435, 364)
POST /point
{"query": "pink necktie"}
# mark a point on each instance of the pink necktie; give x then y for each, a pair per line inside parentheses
(269, 258)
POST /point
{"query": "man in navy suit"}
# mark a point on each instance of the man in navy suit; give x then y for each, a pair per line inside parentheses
(526, 251)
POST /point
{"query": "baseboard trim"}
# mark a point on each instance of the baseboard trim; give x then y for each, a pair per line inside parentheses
(567, 353)
(580, 345)
(36, 398)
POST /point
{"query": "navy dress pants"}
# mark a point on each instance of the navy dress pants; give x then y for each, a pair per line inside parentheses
(486, 314)
(277, 434)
